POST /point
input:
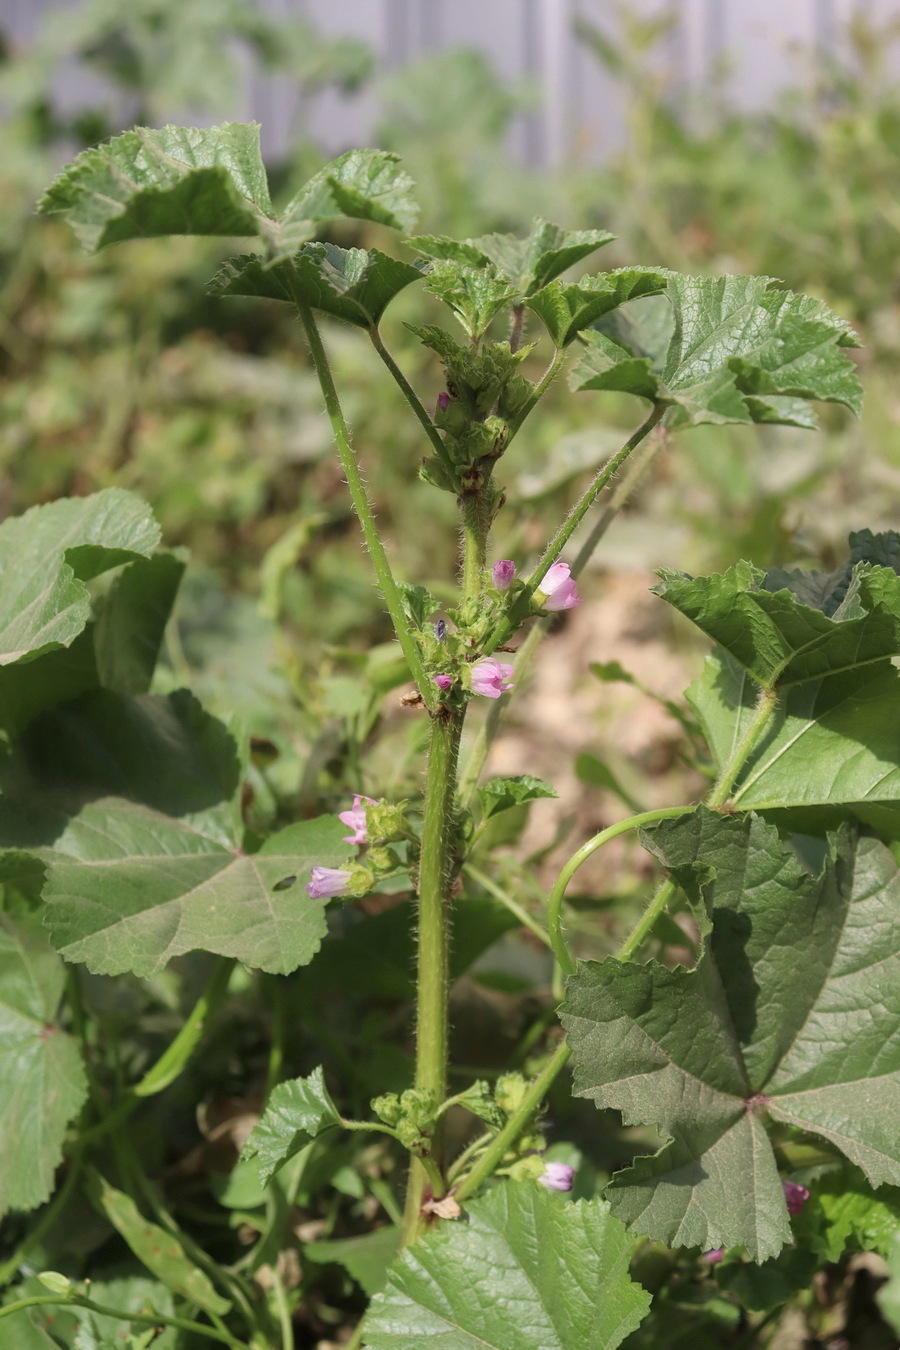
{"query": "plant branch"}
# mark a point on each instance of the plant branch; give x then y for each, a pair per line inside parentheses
(532, 1099)
(382, 567)
(414, 402)
(487, 732)
(756, 729)
(554, 907)
(145, 1319)
(507, 625)
(512, 905)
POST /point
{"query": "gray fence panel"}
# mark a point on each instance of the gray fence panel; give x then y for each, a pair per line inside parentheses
(762, 44)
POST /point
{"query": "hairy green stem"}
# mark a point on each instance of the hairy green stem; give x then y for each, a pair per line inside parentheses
(433, 980)
(481, 745)
(145, 1319)
(506, 627)
(512, 905)
(657, 906)
(476, 524)
(756, 729)
(383, 573)
(414, 402)
(554, 907)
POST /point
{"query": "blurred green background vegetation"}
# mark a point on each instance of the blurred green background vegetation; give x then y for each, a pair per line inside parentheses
(120, 368)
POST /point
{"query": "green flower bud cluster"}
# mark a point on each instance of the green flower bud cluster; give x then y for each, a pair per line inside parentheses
(484, 391)
(412, 1114)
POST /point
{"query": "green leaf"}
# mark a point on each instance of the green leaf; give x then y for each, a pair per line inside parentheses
(160, 1251)
(593, 771)
(178, 180)
(567, 310)
(525, 1271)
(143, 851)
(295, 1113)
(725, 349)
(889, 1294)
(367, 1257)
(42, 1078)
(844, 1212)
(527, 264)
(352, 284)
(500, 794)
(418, 602)
(832, 742)
(364, 184)
(760, 621)
(46, 556)
(131, 622)
(793, 1011)
(476, 295)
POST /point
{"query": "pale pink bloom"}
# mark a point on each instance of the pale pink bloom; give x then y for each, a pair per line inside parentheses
(444, 682)
(558, 588)
(490, 677)
(325, 881)
(356, 820)
(557, 1176)
(713, 1257)
(795, 1196)
(502, 573)
(443, 400)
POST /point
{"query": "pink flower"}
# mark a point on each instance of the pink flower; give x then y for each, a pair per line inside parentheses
(713, 1257)
(356, 820)
(557, 589)
(503, 573)
(443, 400)
(557, 1176)
(490, 677)
(326, 881)
(444, 682)
(795, 1197)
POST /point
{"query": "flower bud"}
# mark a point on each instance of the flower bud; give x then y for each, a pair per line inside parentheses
(502, 574)
(557, 589)
(557, 1176)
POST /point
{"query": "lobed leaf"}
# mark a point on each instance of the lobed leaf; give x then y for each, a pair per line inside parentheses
(46, 556)
(793, 1012)
(525, 1271)
(527, 264)
(725, 349)
(364, 184)
(295, 1113)
(177, 180)
(476, 295)
(42, 1080)
(831, 743)
(367, 1257)
(500, 794)
(567, 310)
(351, 284)
(136, 818)
(760, 619)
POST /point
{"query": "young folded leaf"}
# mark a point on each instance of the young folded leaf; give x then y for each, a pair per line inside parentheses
(568, 310)
(295, 1113)
(527, 264)
(793, 1013)
(725, 349)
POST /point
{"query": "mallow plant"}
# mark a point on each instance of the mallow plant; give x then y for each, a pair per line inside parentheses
(769, 1069)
